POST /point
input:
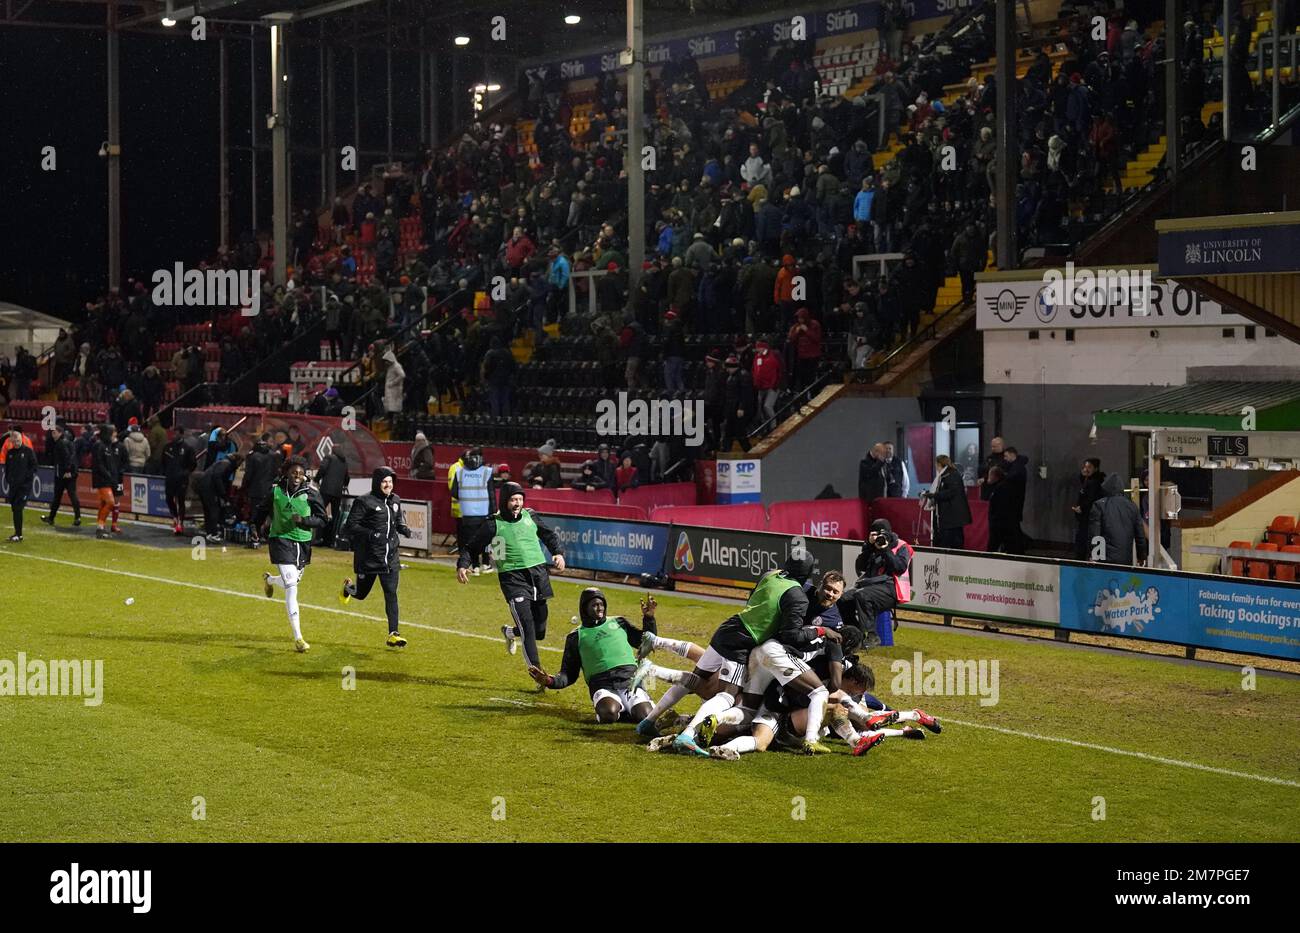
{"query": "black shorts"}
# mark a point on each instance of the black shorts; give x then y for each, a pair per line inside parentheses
(733, 641)
(284, 551)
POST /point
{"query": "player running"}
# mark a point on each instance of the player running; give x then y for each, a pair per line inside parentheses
(603, 649)
(374, 526)
(516, 536)
(295, 509)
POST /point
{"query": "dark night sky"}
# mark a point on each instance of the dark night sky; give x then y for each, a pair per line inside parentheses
(54, 250)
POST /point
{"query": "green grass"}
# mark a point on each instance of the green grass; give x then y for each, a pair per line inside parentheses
(204, 696)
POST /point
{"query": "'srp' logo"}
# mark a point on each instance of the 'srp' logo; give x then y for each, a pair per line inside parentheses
(1043, 307)
(140, 490)
(683, 556)
(1007, 305)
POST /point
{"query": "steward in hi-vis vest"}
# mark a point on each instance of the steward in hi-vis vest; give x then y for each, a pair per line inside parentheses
(516, 537)
(471, 487)
(603, 650)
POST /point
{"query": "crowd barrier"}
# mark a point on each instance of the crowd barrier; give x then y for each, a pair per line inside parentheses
(750, 516)
(1192, 610)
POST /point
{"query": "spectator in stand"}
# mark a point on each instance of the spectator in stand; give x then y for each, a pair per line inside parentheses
(157, 438)
(422, 458)
(518, 250)
(137, 447)
(626, 476)
(106, 468)
(738, 405)
(951, 509)
(969, 255)
(394, 385)
(498, 370)
(674, 351)
(605, 466)
(260, 472)
(332, 480)
(124, 410)
(19, 460)
(766, 375)
(805, 340)
(995, 458)
(588, 480)
(1116, 519)
(546, 472)
(63, 457)
(1016, 467)
(897, 480)
(873, 482)
(557, 278)
(1090, 479)
(178, 462)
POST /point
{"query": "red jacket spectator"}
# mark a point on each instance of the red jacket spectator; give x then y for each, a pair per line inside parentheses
(766, 369)
(519, 250)
(806, 336)
(784, 289)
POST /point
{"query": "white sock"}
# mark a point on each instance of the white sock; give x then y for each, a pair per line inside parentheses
(889, 732)
(732, 717)
(677, 647)
(816, 710)
(672, 696)
(291, 604)
(910, 716)
(844, 728)
(718, 703)
(743, 744)
(275, 580)
(669, 675)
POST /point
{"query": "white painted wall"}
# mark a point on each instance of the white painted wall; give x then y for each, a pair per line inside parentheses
(1124, 356)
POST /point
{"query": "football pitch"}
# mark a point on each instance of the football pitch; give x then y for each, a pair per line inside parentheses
(212, 728)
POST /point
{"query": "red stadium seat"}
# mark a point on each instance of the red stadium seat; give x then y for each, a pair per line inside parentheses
(1237, 565)
(1284, 570)
(1281, 530)
(1260, 569)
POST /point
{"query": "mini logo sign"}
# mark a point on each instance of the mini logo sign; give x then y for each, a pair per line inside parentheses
(1007, 305)
(683, 556)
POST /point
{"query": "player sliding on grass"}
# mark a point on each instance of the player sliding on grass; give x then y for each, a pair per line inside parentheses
(295, 509)
(603, 650)
(776, 609)
(516, 536)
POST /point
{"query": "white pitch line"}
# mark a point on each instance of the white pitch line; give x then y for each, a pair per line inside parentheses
(1121, 751)
(258, 596)
(1157, 759)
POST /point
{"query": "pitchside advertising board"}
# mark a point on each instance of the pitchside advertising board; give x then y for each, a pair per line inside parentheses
(739, 481)
(731, 558)
(415, 513)
(1230, 251)
(1028, 305)
(965, 585)
(1252, 618)
(632, 548)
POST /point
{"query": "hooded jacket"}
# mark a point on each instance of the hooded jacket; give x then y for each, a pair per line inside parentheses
(1115, 517)
(332, 477)
(375, 523)
(20, 469)
(137, 450)
(105, 463)
(422, 459)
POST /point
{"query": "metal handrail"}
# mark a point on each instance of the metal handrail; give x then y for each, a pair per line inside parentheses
(928, 332)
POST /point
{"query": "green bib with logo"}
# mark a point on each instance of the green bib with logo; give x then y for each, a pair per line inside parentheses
(522, 547)
(761, 613)
(285, 508)
(604, 647)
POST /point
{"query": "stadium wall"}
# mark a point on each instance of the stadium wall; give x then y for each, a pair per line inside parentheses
(828, 447)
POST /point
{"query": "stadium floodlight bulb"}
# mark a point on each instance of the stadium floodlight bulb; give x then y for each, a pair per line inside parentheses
(168, 20)
(572, 19)
(494, 88)
(462, 40)
(480, 88)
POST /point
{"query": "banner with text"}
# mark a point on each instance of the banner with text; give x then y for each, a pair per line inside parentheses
(966, 585)
(1253, 618)
(1028, 305)
(615, 547)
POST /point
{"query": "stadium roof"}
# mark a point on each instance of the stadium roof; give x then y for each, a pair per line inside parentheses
(345, 22)
(1213, 405)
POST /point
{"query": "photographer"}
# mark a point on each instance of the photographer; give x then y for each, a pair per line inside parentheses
(884, 582)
